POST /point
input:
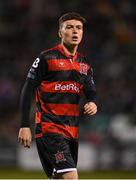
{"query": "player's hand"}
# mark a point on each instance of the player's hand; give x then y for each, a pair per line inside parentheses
(25, 137)
(90, 108)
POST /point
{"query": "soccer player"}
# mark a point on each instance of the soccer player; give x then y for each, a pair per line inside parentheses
(58, 77)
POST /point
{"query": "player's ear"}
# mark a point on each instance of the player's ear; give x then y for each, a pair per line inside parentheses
(60, 34)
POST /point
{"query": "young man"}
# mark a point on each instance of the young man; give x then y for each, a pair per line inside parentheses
(58, 76)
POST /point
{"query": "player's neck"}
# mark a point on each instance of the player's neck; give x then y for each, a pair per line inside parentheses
(71, 50)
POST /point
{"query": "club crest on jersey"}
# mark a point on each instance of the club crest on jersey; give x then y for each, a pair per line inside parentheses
(61, 64)
(83, 68)
(59, 156)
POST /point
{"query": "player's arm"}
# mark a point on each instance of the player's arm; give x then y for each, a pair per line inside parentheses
(33, 80)
(90, 108)
(25, 135)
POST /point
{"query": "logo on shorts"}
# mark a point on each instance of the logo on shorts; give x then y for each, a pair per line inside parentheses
(59, 156)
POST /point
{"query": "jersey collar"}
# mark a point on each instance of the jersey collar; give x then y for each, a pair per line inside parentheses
(61, 49)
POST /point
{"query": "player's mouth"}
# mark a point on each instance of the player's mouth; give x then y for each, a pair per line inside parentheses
(74, 38)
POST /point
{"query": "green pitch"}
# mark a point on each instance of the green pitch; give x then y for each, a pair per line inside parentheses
(20, 174)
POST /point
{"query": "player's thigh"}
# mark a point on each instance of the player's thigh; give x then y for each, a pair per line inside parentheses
(70, 175)
(73, 144)
(44, 158)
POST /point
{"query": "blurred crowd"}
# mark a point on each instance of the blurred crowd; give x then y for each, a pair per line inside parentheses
(29, 26)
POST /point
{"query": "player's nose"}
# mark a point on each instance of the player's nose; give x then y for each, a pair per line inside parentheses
(74, 30)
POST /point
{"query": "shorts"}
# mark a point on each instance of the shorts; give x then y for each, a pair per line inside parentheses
(57, 154)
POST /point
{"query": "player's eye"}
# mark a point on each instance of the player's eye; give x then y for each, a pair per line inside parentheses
(79, 27)
(68, 27)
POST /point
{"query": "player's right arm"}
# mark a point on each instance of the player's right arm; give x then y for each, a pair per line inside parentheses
(34, 78)
(25, 135)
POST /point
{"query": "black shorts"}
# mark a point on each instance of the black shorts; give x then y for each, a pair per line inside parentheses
(57, 154)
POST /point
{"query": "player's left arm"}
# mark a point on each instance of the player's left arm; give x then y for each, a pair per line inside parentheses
(90, 108)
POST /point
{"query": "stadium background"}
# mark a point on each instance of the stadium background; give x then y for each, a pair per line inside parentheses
(109, 138)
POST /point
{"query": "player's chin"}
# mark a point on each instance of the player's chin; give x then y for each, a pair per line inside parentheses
(75, 43)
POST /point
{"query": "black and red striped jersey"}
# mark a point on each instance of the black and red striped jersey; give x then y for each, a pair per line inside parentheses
(60, 80)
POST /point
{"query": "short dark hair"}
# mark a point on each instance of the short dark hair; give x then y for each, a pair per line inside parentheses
(70, 16)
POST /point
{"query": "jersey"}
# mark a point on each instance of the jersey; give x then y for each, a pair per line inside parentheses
(60, 80)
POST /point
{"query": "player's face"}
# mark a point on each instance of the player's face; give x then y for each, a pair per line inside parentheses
(71, 32)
